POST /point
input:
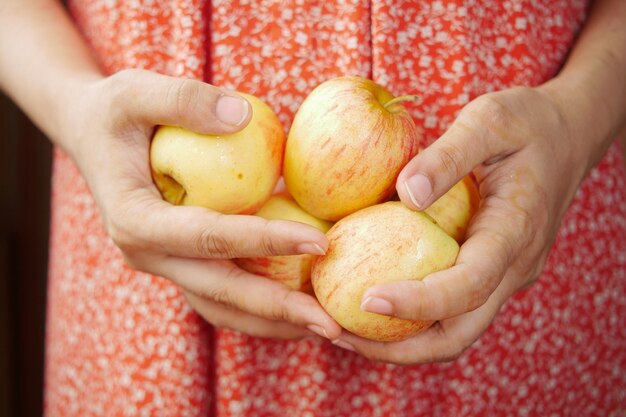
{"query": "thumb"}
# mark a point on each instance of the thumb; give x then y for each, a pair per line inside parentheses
(440, 166)
(156, 99)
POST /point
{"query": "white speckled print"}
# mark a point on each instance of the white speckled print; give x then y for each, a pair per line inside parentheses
(122, 343)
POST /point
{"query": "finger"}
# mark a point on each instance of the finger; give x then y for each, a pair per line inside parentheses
(228, 318)
(156, 99)
(223, 283)
(480, 134)
(443, 342)
(185, 231)
(497, 236)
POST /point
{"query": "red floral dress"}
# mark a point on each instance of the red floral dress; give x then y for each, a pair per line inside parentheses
(123, 343)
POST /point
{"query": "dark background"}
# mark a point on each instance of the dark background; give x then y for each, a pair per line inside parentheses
(25, 156)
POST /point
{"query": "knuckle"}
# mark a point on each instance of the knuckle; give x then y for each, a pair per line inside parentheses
(501, 236)
(268, 244)
(211, 243)
(182, 97)
(450, 158)
(126, 75)
(131, 248)
(485, 288)
(221, 295)
(121, 90)
(425, 306)
(481, 287)
(139, 261)
(516, 216)
(490, 108)
(119, 232)
(283, 311)
(491, 119)
(131, 261)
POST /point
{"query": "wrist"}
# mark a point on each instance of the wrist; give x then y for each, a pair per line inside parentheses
(70, 110)
(588, 117)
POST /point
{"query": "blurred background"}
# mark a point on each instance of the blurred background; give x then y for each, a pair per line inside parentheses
(25, 156)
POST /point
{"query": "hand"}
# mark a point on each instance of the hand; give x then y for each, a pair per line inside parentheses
(110, 133)
(528, 163)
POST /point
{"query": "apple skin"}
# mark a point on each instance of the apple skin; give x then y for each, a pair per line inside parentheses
(230, 173)
(383, 243)
(345, 149)
(454, 210)
(295, 270)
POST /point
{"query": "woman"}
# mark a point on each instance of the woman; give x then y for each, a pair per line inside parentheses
(122, 342)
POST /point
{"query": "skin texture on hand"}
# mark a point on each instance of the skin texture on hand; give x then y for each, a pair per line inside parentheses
(191, 246)
(105, 124)
(524, 197)
(530, 148)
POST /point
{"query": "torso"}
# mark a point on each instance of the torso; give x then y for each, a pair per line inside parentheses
(121, 341)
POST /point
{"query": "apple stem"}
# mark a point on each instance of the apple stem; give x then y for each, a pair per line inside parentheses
(400, 99)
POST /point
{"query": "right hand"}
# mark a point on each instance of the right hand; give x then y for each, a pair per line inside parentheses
(108, 134)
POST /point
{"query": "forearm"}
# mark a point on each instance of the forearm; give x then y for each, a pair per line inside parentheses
(591, 87)
(43, 62)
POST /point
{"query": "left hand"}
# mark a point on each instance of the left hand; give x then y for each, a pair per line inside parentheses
(529, 163)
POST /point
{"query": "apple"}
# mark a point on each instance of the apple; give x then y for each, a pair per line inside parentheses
(382, 243)
(230, 173)
(454, 210)
(347, 144)
(294, 271)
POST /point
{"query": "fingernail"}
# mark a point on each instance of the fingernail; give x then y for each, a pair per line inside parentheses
(318, 330)
(344, 345)
(232, 110)
(377, 305)
(419, 189)
(311, 248)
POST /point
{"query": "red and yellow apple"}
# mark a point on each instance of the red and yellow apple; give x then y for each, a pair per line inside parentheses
(295, 270)
(346, 146)
(454, 210)
(230, 173)
(383, 243)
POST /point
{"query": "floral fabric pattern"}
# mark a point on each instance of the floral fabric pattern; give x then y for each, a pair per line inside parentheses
(124, 343)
